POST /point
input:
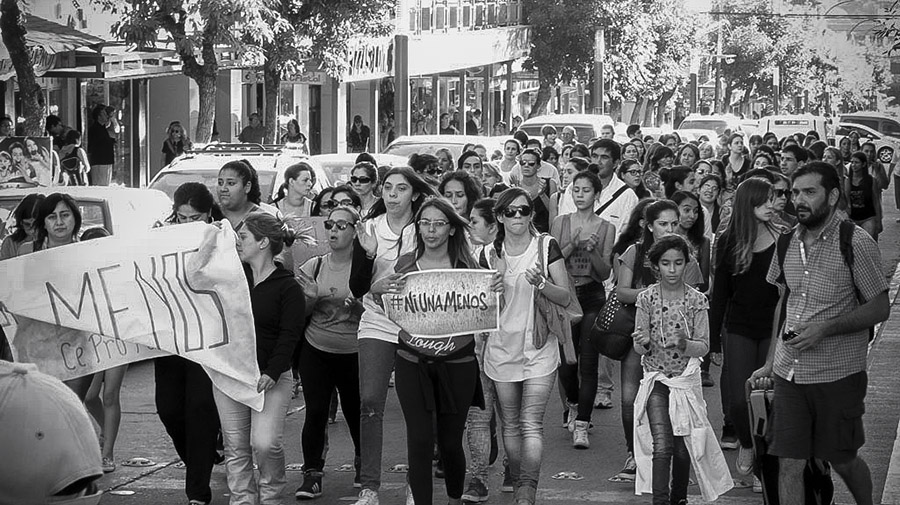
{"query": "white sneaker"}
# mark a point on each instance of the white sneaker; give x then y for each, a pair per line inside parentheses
(580, 435)
(409, 496)
(757, 485)
(573, 414)
(367, 497)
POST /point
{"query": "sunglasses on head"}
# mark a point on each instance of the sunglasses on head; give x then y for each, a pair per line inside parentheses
(360, 180)
(340, 225)
(522, 210)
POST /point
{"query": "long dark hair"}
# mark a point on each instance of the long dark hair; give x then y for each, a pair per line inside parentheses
(633, 229)
(652, 213)
(471, 188)
(504, 200)
(457, 244)
(46, 207)
(248, 174)
(316, 210)
(695, 233)
(740, 234)
(262, 224)
(418, 186)
(291, 173)
(26, 209)
(198, 196)
(671, 176)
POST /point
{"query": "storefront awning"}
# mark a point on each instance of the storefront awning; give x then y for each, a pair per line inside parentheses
(46, 40)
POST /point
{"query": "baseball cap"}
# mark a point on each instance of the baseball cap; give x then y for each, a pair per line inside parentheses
(50, 450)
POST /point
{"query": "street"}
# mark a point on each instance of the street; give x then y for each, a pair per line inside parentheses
(142, 435)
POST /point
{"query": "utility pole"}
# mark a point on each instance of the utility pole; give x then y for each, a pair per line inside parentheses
(599, 54)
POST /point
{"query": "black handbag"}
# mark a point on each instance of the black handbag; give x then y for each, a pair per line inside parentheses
(614, 325)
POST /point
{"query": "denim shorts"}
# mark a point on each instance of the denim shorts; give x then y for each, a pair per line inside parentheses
(819, 420)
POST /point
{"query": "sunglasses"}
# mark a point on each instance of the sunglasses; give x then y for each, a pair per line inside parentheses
(328, 204)
(522, 210)
(360, 180)
(342, 203)
(528, 163)
(781, 193)
(433, 171)
(435, 223)
(340, 225)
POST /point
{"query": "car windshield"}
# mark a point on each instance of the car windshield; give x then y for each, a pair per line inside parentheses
(584, 132)
(168, 182)
(716, 125)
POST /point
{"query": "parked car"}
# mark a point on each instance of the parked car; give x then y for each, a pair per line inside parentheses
(785, 125)
(887, 148)
(338, 166)
(688, 135)
(429, 144)
(122, 211)
(203, 166)
(716, 122)
(881, 123)
(587, 126)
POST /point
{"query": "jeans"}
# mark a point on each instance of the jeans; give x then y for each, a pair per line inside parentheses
(669, 451)
(522, 407)
(246, 432)
(631, 375)
(320, 373)
(592, 297)
(478, 431)
(420, 430)
(184, 402)
(376, 361)
(744, 355)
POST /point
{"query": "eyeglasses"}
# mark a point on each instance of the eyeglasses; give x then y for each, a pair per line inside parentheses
(522, 210)
(342, 203)
(635, 173)
(340, 225)
(781, 193)
(436, 223)
(328, 204)
(433, 171)
(360, 180)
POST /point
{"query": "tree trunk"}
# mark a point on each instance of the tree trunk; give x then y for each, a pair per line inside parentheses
(12, 26)
(726, 97)
(661, 106)
(272, 79)
(745, 101)
(648, 112)
(615, 109)
(636, 113)
(542, 99)
(204, 74)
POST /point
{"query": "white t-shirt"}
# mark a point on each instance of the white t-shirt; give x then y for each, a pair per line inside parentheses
(618, 212)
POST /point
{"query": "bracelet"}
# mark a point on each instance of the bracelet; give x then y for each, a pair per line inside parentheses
(541, 285)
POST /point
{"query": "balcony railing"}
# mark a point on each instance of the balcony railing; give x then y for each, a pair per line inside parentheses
(438, 16)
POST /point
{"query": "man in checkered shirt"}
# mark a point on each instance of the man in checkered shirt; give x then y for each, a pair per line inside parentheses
(818, 357)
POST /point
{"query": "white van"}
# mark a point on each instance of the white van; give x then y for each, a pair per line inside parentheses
(782, 126)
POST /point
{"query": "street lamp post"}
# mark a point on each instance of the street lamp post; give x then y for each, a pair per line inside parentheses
(599, 54)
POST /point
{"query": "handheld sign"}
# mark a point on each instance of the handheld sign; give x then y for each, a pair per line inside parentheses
(444, 303)
(300, 252)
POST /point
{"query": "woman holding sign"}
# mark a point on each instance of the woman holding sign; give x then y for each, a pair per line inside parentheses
(437, 377)
(329, 354)
(278, 316)
(523, 368)
(387, 233)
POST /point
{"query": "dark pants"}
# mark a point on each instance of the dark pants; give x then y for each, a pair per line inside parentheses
(184, 402)
(591, 297)
(320, 373)
(420, 431)
(669, 451)
(744, 355)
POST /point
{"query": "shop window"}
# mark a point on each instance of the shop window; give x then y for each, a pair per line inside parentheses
(453, 21)
(440, 13)
(426, 19)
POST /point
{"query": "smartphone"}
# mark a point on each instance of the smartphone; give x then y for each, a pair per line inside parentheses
(789, 335)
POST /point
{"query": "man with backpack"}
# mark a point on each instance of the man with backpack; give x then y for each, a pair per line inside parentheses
(832, 294)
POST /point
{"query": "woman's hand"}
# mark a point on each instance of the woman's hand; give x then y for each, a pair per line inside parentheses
(678, 341)
(534, 276)
(391, 285)
(309, 285)
(497, 283)
(640, 337)
(367, 240)
(264, 384)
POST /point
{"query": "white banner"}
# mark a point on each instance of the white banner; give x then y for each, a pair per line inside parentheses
(178, 289)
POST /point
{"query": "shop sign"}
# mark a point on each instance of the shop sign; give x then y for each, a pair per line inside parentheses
(40, 59)
(370, 59)
(255, 76)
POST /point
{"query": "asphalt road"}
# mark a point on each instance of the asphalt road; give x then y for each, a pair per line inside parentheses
(142, 435)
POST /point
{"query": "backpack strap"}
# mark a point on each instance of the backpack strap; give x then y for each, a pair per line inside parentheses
(318, 267)
(615, 196)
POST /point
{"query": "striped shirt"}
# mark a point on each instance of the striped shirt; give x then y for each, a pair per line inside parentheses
(821, 289)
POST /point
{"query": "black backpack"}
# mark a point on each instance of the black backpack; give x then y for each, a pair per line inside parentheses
(845, 239)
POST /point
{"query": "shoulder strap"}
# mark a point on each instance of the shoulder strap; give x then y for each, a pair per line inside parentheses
(781, 248)
(615, 196)
(317, 267)
(566, 232)
(846, 242)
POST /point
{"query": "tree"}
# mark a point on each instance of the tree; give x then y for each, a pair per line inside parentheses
(562, 38)
(13, 28)
(196, 28)
(314, 30)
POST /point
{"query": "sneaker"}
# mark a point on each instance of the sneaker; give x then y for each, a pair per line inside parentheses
(580, 435)
(367, 497)
(409, 496)
(477, 492)
(603, 400)
(573, 413)
(757, 485)
(508, 485)
(628, 471)
(729, 438)
(706, 380)
(311, 487)
(744, 462)
(108, 465)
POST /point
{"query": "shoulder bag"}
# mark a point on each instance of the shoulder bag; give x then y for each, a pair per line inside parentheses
(615, 323)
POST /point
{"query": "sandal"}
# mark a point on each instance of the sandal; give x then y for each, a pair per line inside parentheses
(108, 465)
